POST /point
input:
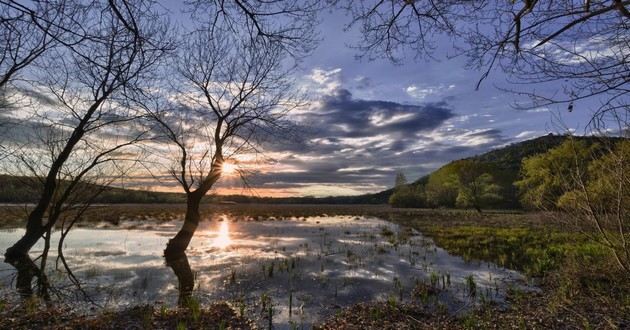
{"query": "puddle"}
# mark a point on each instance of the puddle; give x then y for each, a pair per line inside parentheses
(305, 269)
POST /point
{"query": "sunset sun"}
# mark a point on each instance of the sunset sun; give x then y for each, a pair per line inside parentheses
(229, 168)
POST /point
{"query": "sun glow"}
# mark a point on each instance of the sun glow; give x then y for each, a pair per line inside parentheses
(223, 239)
(229, 168)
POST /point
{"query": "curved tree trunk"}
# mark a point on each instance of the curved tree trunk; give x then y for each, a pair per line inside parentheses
(185, 278)
(26, 272)
(35, 228)
(178, 244)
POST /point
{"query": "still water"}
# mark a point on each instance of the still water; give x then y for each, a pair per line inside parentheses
(306, 269)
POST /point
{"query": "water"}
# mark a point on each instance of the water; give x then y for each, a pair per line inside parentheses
(317, 265)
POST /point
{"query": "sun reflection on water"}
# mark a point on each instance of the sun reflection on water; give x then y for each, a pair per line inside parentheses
(223, 239)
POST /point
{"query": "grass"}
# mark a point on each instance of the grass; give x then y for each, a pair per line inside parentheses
(525, 249)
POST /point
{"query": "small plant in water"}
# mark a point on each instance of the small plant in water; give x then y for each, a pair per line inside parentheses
(270, 270)
(265, 300)
(398, 286)
(391, 301)
(270, 316)
(471, 285)
(290, 302)
(232, 276)
(435, 279)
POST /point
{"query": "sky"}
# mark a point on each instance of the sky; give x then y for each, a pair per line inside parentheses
(369, 120)
(366, 120)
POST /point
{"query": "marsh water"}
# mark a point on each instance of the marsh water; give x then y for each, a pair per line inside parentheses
(299, 270)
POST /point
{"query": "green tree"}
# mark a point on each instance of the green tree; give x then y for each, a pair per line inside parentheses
(477, 187)
(408, 196)
(546, 177)
(442, 187)
(599, 202)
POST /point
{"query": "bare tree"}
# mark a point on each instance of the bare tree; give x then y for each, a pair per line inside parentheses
(231, 94)
(288, 23)
(578, 49)
(90, 81)
(26, 32)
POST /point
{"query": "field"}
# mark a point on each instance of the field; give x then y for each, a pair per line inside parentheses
(580, 286)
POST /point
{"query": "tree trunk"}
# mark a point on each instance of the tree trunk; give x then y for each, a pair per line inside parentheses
(185, 278)
(178, 244)
(26, 271)
(19, 251)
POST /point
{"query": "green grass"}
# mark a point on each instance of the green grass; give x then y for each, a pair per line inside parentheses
(530, 250)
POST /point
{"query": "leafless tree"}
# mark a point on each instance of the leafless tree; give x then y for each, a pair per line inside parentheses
(578, 49)
(231, 95)
(88, 122)
(289, 24)
(26, 32)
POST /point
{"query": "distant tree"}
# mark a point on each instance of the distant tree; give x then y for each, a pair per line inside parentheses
(544, 177)
(442, 187)
(477, 187)
(401, 180)
(408, 196)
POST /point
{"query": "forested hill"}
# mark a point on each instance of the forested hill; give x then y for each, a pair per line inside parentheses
(503, 164)
(507, 159)
(511, 156)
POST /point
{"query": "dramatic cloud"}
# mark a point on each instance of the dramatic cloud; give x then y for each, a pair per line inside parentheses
(358, 145)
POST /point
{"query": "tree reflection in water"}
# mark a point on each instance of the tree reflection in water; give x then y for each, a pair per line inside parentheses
(180, 266)
(26, 272)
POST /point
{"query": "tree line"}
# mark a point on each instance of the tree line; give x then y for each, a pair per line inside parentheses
(539, 181)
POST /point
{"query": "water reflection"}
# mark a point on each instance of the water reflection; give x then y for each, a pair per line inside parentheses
(26, 272)
(311, 267)
(223, 239)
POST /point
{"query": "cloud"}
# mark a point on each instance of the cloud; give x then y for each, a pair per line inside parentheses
(325, 81)
(339, 115)
(359, 143)
(422, 92)
(527, 135)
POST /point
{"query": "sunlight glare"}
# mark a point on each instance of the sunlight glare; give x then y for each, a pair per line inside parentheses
(223, 239)
(229, 168)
